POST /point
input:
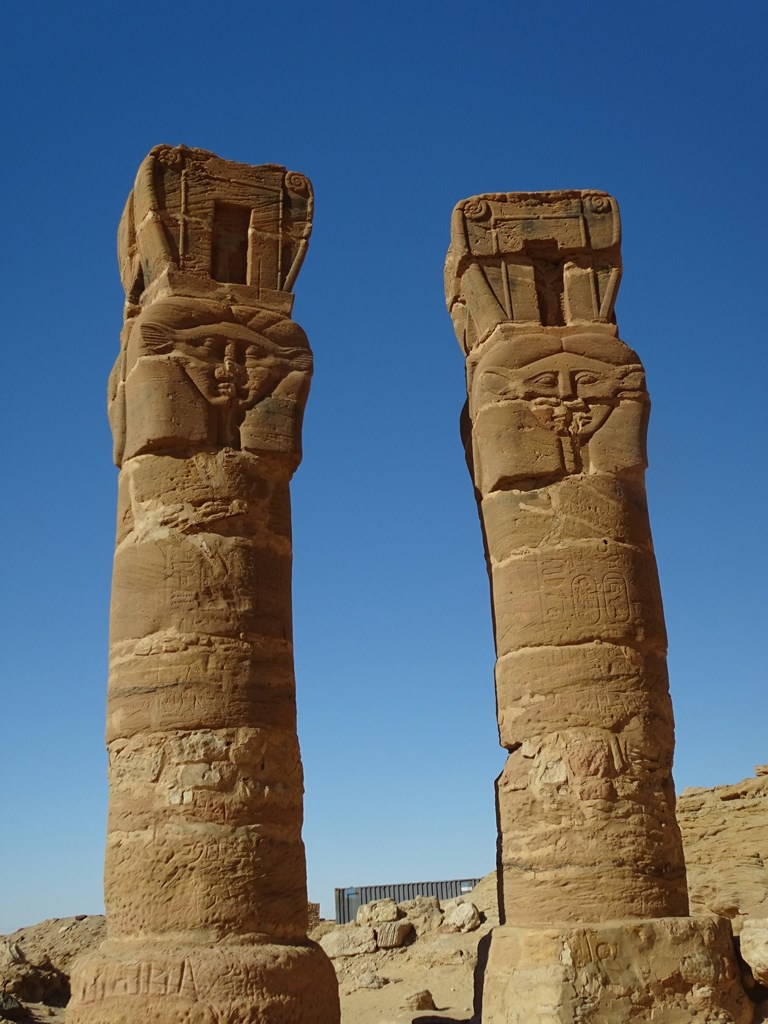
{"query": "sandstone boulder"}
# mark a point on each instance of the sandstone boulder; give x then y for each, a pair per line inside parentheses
(378, 912)
(754, 947)
(460, 915)
(725, 834)
(485, 896)
(421, 1000)
(423, 912)
(349, 940)
(35, 961)
(393, 934)
(368, 980)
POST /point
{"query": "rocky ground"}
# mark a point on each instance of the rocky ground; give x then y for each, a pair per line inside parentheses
(378, 987)
(35, 963)
(415, 963)
(426, 976)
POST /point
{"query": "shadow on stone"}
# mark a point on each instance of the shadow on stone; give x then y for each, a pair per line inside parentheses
(444, 1020)
(482, 959)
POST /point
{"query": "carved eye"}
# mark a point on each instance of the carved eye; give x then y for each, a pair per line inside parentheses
(585, 377)
(544, 380)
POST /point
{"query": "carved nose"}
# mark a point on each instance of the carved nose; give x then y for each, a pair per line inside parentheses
(565, 388)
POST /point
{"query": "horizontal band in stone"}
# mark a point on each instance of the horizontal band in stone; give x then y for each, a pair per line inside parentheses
(576, 593)
(171, 680)
(543, 690)
(208, 880)
(126, 982)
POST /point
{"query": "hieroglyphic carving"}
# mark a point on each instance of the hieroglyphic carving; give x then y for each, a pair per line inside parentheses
(555, 437)
(205, 877)
(143, 978)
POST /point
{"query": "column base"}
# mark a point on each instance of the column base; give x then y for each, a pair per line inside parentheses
(672, 970)
(125, 982)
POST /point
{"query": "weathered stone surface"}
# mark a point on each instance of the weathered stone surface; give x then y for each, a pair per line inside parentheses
(421, 1000)
(754, 947)
(460, 915)
(725, 834)
(369, 980)
(377, 912)
(205, 874)
(423, 912)
(393, 934)
(674, 970)
(555, 437)
(349, 940)
(485, 897)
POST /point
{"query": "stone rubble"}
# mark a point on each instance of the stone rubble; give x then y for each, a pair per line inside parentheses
(399, 925)
(443, 957)
(378, 912)
(421, 1000)
(394, 934)
(423, 912)
(460, 915)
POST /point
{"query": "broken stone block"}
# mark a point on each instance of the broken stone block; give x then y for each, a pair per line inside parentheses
(423, 912)
(393, 934)
(460, 915)
(349, 940)
(674, 969)
(377, 912)
(754, 947)
(421, 1000)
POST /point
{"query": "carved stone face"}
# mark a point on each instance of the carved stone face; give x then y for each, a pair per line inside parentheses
(209, 375)
(568, 393)
(231, 365)
(536, 403)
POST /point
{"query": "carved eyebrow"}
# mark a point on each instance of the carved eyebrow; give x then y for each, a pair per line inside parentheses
(506, 375)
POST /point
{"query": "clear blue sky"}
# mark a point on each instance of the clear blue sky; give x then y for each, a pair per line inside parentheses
(395, 111)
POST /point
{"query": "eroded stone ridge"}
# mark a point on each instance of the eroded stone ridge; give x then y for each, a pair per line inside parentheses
(205, 872)
(725, 831)
(555, 437)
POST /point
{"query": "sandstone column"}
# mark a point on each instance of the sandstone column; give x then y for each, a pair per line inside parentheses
(205, 872)
(592, 883)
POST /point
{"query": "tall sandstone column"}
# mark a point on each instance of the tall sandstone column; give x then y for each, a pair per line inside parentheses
(205, 872)
(592, 885)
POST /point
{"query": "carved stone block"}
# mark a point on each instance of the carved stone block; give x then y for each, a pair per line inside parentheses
(670, 969)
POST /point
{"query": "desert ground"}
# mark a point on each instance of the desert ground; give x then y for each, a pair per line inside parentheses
(430, 976)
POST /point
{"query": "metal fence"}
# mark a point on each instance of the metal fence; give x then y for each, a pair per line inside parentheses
(348, 900)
